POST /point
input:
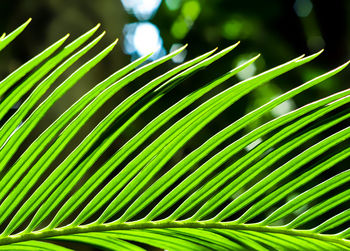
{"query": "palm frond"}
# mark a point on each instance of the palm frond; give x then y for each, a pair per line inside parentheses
(211, 199)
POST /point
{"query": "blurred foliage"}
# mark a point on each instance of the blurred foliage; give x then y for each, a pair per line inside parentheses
(279, 30)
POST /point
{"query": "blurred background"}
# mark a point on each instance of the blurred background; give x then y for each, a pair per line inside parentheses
(279, 30)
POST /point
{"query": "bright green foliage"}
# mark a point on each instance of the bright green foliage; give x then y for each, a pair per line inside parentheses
(232, 199)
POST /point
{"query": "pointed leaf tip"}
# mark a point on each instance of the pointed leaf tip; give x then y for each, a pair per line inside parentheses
(231, 47)
(97, 26)
(111, 46)
(149, 55)
(61, 41)
(257, 56)
(115, 41)
(248, 62)
(179, 50)
(94, 28)
(234, 45)
(213, 50)
(318, 53)
(340, 68)
(254, 58)
(346, 63)
(300, 57)
(101, 35)
(309, 58)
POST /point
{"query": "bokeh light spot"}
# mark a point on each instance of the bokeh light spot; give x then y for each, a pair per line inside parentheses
(179, 28)
(179, 58)
(315, 43)
(191, 10)
(283, 108)
(143, 38)
(252, 145)
(303, 7)
(247, 72)
(141, 9)
(147, 39)
(173, 4)
(232, 29)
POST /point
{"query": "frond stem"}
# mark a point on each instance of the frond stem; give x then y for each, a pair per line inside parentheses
(69, 230)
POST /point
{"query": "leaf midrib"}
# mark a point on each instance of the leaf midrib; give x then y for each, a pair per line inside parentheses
(43, 234)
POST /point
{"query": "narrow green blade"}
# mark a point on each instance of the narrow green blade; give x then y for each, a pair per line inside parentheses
(184, 165)
(118, 157)
(172, 139)
(282, 172)
(11, 79)
(5, 40)
(15, 120)
(326, 205)
(291, 186)
(308, 196)
(100, 240)
(112, 163)
(65, 187)
(59, 173)
(8, 204)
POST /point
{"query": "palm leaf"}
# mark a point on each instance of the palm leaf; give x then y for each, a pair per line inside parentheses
(211, 199)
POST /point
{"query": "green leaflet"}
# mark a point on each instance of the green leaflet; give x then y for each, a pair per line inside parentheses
(59, 144)
(119, 156)
(187, 162)
(334, 222)
(16, 94)
(6, 39)
(221, 157)
(105, 241)
(211, 240)
(33, 245)
(9, 81)
(192, 124)
(327, 205)
(39, 144)
(8, 204)
(308, 196)
(13, 143)
(155, 238)
(74, 177)
(282, 172)
(140, 204)
(23, 110)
